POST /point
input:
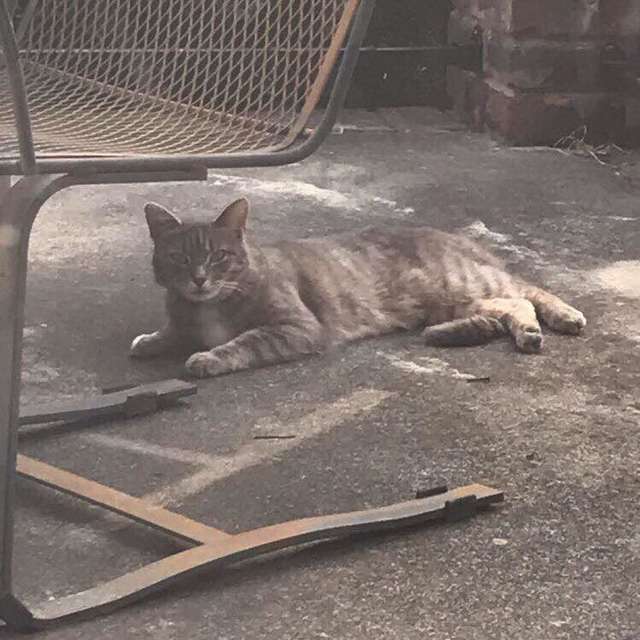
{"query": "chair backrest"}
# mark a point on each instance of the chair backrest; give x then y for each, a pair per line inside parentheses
(153, 77)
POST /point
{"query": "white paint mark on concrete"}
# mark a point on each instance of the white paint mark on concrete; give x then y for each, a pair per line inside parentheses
(147, 448)
(339, 129)
(389, 203)
(9, 236)
(440, 366)
(431, 366)
(479, 229)
(392, 204)
(622, 277)
(325, 197)
(211, 469)
(223, 467)
(573, 204)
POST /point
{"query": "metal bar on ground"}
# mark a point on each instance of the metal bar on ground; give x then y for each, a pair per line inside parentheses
(121, 503)
(155, 576)
(111, 404)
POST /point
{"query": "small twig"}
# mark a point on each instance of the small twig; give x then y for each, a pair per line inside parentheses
(595, 157)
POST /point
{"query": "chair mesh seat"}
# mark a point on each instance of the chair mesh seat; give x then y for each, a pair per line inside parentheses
(141, 77)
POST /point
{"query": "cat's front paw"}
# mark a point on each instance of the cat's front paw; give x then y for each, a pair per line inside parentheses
(204, 365)
(146, 345)
(529, 339)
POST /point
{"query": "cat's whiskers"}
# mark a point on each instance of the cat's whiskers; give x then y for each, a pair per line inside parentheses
(232, 286)
(215, 291)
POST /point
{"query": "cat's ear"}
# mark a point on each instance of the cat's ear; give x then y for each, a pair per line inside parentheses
(160, 220)
(234, 216)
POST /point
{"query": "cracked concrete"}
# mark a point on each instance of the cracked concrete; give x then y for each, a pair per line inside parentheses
(559, 432)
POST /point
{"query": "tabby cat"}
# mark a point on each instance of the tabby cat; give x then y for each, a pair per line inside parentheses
(240, 306)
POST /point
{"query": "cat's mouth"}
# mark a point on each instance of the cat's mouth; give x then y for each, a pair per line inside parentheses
(201, 294)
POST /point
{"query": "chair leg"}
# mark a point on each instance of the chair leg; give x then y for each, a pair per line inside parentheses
(14, 237)
(19, 205)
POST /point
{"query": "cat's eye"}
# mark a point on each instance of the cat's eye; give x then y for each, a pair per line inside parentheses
(179, 258)
(219, 256)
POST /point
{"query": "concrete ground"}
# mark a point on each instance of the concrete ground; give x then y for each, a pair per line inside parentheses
(559, 432)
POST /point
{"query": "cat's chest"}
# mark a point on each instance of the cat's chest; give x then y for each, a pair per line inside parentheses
(212, 328)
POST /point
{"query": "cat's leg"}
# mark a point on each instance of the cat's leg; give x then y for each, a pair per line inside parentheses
(153, 344)
(518, 315)
(464, 332)
(259, 347)
(554, 312)
(484, 320)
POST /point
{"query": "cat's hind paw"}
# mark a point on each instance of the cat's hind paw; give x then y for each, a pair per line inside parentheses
(204, 365)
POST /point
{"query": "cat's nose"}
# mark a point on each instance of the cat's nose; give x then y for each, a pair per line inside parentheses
(199, 280)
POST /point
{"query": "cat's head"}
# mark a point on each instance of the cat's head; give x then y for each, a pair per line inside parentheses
(201, 261)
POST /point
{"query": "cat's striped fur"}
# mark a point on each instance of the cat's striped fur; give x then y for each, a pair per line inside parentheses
(242, 306)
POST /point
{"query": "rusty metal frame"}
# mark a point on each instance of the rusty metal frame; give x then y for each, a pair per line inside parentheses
(19, 206)
(215, 548)
(130, 401)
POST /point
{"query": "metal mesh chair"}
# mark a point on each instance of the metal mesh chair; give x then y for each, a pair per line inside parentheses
(131, 77)
(121, 91)
(180, 80)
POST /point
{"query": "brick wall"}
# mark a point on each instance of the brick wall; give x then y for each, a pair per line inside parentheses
(543, 73)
